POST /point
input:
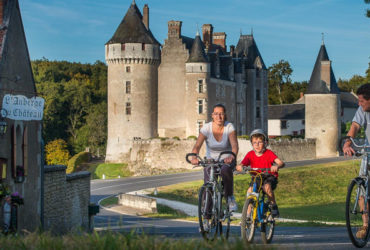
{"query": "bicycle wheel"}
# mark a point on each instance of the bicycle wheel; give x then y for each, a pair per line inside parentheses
(268, 226)
(225, 217)
(354, 212)
(209, 224)
(248, 225)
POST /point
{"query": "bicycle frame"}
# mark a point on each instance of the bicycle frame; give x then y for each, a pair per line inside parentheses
(257, 213)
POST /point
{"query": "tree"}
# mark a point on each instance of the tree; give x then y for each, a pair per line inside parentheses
(278, 76)
(368, 10)
(56, 153)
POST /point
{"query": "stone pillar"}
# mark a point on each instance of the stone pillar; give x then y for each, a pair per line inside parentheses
(322, 115)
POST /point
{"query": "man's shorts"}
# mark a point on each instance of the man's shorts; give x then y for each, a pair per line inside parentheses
(269, 179)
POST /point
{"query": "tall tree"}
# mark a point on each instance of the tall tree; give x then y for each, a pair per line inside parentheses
(278, 76)
(368, 10)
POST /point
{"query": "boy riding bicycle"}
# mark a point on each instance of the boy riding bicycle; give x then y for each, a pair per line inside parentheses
(261, 157)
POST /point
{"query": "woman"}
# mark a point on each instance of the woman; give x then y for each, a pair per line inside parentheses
(219, 135)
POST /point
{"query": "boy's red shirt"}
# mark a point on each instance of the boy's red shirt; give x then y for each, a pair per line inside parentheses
(264, 161)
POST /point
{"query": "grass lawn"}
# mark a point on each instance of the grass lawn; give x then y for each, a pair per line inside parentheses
(110, 170)
(314, 192)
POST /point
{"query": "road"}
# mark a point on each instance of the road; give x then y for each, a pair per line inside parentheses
(285, 237)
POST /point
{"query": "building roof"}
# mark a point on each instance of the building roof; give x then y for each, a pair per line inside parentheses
(286, 112)
(247, 48)
(188, 41)
(132, 29)
(197, 53)
(316, 85)
(348, 100)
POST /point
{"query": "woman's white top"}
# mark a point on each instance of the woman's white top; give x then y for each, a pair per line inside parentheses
(214, 147)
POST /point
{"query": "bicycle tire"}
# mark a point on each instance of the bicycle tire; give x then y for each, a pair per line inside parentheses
(226, 216)
(207, 219)
(354, 213)
(268, 226)
(247, 224)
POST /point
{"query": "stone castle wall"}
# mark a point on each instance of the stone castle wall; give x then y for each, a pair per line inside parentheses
(157, 156)
(66, 200)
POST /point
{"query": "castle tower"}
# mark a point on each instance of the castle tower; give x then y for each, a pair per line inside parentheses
(322, 110)
(198, 71)
(253, 76)
(133, 57)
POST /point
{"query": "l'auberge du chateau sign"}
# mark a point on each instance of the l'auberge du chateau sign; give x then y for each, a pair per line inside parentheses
(19, 107)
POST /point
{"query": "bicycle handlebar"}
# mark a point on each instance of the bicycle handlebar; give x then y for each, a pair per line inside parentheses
(209, 162)
(356, 147)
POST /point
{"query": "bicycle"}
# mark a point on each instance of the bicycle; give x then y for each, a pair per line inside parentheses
(357, 200)
(260, 212)
(213, 210)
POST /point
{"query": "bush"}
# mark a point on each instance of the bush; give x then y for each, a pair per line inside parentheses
(246, 137)
(56, 152)
(176, 138)
(192, 137)
(76, 160)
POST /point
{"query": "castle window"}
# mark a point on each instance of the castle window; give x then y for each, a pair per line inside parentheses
(128, 69)
(200, 124)
(143, 46)
(302, 131)
(200, 106)
(200, 86)
(122, 46)
(201, 68)
(302, 122)
(258, 111)
(295, 133)
(257, 72)
(128, 108)
(283, 124)
(258, 95)
(128, 87)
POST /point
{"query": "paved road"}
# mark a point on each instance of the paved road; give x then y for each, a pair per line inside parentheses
(285, 237)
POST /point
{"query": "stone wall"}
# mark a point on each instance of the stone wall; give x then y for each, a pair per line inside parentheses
(158, 156)
(66, 200)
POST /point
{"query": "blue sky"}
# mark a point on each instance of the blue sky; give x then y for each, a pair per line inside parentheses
(76, 30)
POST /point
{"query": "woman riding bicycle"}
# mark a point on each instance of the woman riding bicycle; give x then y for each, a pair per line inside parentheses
(219, 136)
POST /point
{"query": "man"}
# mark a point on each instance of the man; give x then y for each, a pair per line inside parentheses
(361, 119)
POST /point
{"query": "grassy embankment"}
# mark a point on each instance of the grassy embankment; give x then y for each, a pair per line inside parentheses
(314, 193)
(110, 170)
(110, 240)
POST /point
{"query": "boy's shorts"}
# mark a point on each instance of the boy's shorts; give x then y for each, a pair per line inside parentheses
(269, 179)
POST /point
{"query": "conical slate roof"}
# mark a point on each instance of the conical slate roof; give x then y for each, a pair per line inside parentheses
(197, 53)
(316, 85)
(247, 48)
(132, 29)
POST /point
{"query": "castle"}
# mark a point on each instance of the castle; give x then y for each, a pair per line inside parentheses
(168, 90)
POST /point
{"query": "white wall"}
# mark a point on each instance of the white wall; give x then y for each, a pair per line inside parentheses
(274, 127)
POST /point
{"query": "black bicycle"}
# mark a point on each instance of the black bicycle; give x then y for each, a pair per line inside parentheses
(358, 200)
(213, 208)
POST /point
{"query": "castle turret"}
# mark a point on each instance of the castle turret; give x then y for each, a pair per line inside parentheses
(322, 110)
(198, 71)
(133, 57)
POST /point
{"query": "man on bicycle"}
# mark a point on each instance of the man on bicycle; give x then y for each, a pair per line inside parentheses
(361, 119)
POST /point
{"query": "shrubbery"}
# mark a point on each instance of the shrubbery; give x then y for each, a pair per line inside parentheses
(76, 160)
(56, 152)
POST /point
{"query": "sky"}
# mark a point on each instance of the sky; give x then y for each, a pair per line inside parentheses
(291, 30)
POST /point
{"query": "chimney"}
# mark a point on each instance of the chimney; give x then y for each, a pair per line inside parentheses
(2, 3)
(232, 50)
(325, 72)
(146, 16)
(219, 38)
(207, 30)
(174, 29)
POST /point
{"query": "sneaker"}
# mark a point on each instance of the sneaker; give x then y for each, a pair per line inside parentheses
(206, 225)
(274, 210)
(232, 204)
(361, 232)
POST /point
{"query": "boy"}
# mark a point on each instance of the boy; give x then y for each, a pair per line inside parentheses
(260, 157)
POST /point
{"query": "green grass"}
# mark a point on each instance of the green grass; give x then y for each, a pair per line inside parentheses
(113, 241)
(112, 200)
(111, 171)
(166, 212)
(314, 192)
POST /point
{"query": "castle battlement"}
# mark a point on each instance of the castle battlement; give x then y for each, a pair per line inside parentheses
(132, 53)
